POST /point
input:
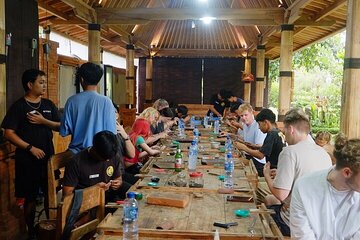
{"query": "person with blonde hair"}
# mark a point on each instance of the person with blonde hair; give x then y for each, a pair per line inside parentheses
(160, 104)
(157, 130)
(323, 139)
(326, 204)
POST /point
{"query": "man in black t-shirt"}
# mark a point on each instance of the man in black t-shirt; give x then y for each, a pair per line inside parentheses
(97, 165)
(28, 125)
(218, 104)
(273, 142)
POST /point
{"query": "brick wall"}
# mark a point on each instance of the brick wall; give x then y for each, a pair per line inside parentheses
(51, 67)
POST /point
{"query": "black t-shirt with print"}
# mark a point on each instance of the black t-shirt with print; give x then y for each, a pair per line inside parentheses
(218, 104)
(272, 146)
(84, 171)
(38, 135)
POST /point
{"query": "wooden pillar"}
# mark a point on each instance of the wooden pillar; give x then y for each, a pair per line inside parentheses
(94, 43)
(260, 72)
(247, 84)
(148, 86)
(350, 114)
(286, 53)
(2, 61)
(130, 75)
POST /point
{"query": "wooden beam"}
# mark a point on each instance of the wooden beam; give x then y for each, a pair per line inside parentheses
(321, 23)
(82, 10)
(252, 22)
(200, 52)
(296, 10)
(118, 30)
(327, 11)
(70, 21)
(51, 10)
(117, 14)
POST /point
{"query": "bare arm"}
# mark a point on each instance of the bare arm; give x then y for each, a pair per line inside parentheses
(153, 138)
(279, 193)
(37, 118)
(148, 150)
(129, 147)
(252, 152)
(11, 135)
(214, 111)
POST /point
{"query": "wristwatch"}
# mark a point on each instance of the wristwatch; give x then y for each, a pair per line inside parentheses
(126, 139)
(28, 148)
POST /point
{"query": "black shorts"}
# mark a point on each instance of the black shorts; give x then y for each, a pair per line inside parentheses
(30, 177)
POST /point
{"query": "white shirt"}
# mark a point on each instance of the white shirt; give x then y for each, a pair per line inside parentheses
(313, 207)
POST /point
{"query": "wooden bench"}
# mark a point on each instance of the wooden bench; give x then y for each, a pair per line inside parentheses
(56, 167)
(197, 109)
(92, 197)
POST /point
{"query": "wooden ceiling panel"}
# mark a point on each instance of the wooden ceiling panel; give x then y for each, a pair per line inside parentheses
(173, 27)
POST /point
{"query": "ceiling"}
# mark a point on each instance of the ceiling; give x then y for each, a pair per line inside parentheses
(174, 28)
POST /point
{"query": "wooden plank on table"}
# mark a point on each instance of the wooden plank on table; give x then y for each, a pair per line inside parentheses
(168, 199)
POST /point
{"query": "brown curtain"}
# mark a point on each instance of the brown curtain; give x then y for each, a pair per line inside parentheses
(223, 73)
(178, 80)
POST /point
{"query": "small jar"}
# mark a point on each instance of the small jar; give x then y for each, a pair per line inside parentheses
(196, 180)
(180, 180)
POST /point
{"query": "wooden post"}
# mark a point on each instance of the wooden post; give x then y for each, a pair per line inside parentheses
(130, 75)
(2, 61)
(148, 86)
(350, 114)
(260, 72)
(247, 84)
(286, 53)
(94, 43)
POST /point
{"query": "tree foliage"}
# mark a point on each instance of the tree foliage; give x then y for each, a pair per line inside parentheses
(318, 72)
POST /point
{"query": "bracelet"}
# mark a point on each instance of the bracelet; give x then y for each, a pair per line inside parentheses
(28, 148)
(126, 139)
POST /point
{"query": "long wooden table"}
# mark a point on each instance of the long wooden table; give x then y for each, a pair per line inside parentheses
(196, 220)
(205, 206)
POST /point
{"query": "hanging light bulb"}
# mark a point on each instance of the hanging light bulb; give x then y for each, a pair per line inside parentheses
(193, 24)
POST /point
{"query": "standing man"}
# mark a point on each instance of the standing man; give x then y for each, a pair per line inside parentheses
(28, 125)
(326, 204)
(218, 104)
(88, 112)
(302, 156)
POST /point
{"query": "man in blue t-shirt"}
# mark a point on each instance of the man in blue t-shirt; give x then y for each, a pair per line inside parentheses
(88, 112)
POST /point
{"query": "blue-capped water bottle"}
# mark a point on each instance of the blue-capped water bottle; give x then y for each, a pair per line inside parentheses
(229, 169)
(228, 143)
(130, 218)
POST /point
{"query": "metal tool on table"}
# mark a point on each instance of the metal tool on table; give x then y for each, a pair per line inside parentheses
(225, 225)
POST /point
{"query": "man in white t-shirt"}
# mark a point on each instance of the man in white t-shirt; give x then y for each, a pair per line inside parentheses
(300, 157)
(251, 133)
(326, 204)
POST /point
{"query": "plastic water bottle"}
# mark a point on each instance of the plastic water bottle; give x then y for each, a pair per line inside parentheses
(228, 144)
(130, 218)
(181, 128)
(211, 116)
(229, 169)
(216, 127)
(196, 134)
(206, 121)
(192, 121)
(192, 157)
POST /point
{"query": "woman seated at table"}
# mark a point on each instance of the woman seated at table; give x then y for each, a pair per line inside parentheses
(157, 128)
(139, 133)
